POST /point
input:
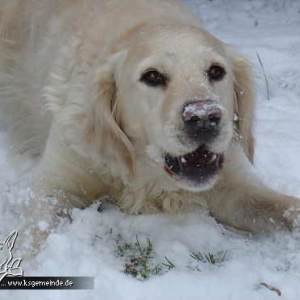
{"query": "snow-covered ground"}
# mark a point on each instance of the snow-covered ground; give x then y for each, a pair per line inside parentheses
(100, 244)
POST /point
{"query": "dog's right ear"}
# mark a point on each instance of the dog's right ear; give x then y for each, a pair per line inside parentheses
(102, 130)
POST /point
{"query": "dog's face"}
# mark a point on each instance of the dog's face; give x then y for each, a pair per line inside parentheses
(174, 99)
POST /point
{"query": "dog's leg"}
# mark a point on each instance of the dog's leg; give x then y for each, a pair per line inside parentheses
(41, 216)
(255, 209)
(38, 220)
(243, 202)
(60, 182)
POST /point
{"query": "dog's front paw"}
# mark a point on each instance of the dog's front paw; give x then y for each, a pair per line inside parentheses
(31, 239)
(292, 215)
(282, 212)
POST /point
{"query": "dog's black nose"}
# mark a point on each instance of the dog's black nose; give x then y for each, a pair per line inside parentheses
(201, 119)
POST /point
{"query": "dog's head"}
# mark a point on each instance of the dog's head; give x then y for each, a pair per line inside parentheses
(169, 100)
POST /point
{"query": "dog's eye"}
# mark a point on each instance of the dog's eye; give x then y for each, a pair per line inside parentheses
(154, 78)
(215, 73)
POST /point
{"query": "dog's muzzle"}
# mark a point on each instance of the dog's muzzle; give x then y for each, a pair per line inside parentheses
(201, 124)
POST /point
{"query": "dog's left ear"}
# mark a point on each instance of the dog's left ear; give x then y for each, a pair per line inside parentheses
(244, 102)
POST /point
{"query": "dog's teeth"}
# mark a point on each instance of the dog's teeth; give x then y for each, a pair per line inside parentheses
(183, 160)
(213, 159)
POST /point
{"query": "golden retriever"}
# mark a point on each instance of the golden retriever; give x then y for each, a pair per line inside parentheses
(135, 100)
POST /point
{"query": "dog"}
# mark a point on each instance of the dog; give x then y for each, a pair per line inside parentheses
(135, 100)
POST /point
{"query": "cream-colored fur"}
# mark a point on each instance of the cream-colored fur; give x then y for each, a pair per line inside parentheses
(75, 109)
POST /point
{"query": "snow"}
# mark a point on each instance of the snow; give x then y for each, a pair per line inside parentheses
(89, 245)
(201, 110)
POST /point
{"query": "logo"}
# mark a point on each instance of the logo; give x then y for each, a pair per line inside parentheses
(8, 265)
(11, 274)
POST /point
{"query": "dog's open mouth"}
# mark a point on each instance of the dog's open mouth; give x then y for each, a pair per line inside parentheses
(196, 166)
